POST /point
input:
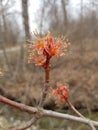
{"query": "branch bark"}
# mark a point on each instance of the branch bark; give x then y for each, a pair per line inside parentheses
(46, 84)
(48, 113)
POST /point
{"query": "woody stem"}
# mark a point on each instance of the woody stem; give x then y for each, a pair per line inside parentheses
(73, 108)
(46, 83)
(79, 114)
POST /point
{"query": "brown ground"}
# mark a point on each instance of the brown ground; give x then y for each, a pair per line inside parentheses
(78, 68)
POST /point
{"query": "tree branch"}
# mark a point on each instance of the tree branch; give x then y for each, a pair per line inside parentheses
(44, 112)
(68, 117)
(17, 105)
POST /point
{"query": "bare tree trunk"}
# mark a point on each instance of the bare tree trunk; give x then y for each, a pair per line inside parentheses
(55, 11)
(4, 28)
(25, 18)
(42, 17)
(81, 27)
(5, 38)
(64, 3)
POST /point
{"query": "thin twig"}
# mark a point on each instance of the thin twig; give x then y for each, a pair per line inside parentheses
(79, 114)
(27, 125)
(28, 41)
(73, 108)
(46, 84)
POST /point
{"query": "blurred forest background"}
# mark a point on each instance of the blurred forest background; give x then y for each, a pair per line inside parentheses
(23, 82)
(79, 66)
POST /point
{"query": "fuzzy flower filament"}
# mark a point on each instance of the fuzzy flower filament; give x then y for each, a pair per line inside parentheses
(45, 48)
(60, 93)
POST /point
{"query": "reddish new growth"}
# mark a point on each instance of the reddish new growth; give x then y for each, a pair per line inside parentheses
(45, 48)
(60, 93)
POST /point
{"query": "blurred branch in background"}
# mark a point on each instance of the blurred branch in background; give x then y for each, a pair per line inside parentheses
(9, 30)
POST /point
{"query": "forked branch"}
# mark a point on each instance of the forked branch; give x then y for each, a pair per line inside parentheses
(44, 112)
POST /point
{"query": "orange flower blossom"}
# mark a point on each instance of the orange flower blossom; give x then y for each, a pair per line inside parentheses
(45, 48)
(60, 93)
